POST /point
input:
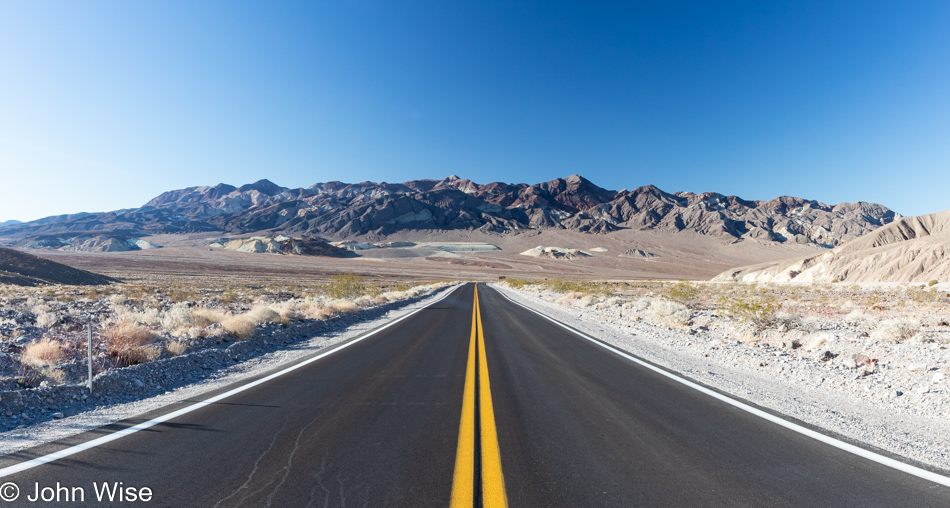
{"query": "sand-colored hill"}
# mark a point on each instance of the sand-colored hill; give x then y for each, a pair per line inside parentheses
(638, 254)
(912, 249)
(281, 245)
(555, 253)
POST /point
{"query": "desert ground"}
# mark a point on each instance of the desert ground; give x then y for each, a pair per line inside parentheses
(679, 256)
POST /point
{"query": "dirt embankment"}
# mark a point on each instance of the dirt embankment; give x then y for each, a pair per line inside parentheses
(27, 270)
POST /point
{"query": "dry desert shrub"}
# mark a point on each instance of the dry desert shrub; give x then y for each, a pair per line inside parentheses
(46, 320)
(178, 347)
(664, 308)
(286, 311)
(856, 318)
(585, 301)
(129, 342)
(393, 296)
(519, 283)
(684, 293)
(52, 375)
(264, 314)
(228, 296)
(181, 294)
(816, 341)
(572, 286)
(345, 306)
(203, 318)
(894, 330)
(314, 311)
(240, 326)
(365, 301)
(639, 305)
(682, 317)
(177, 318)
(43, 353)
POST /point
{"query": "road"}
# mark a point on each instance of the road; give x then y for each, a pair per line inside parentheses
(439, 410)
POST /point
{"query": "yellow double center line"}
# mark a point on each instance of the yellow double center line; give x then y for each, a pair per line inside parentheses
(492, 481)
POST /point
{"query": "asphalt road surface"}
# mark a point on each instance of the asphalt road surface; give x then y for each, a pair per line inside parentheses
(461, 406)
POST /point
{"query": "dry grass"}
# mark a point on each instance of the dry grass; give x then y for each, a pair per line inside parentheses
(52, 375)
(345, 306)
(43, 353)
(895, 330)
(240, 327)
(130, 342)
(264, 314)
(178, 347)
(203, 318)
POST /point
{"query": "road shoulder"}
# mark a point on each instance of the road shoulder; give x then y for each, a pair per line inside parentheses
(56, 430)
(924, 441)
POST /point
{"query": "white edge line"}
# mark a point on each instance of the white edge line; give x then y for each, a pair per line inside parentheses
(837, 443)
(46, 459)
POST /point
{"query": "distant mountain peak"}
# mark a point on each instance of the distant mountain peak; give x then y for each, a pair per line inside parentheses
(263, 186)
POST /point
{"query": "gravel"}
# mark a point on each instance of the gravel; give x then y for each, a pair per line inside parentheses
(893, 397)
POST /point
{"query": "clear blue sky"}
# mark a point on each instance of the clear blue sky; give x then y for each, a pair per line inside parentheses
(106, 104)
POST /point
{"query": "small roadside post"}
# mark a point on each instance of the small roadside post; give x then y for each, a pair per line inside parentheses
(89, 354)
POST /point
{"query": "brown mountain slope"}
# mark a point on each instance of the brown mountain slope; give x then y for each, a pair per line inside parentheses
(912, 249)
(28, 270)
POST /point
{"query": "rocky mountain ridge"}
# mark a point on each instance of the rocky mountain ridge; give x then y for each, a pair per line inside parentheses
(372, 211)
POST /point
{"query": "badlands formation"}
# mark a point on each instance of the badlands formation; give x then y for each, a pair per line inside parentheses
(912, 249)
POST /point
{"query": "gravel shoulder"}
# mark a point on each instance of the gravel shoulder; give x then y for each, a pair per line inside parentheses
(121, 393)
(839, 400)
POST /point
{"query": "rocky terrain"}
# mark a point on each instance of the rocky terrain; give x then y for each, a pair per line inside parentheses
(870, 362)
(375, 211)
(23, 269)
(912, 249)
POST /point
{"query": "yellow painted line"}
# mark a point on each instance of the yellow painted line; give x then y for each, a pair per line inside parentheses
(463, 482)
(493, 481)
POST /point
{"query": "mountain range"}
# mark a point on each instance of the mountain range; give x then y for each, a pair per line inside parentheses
(373, 211)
